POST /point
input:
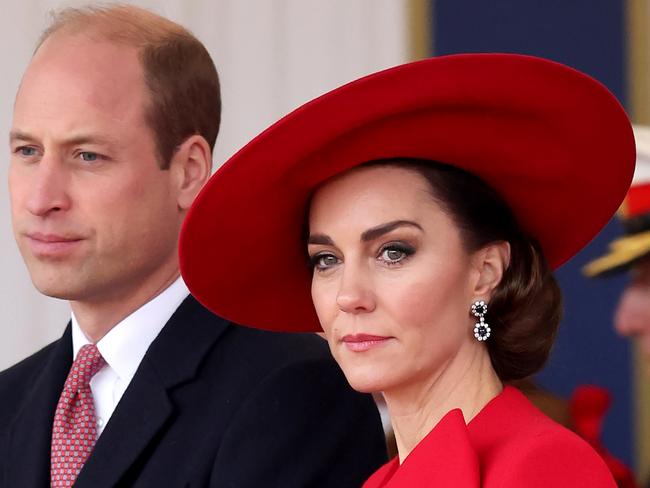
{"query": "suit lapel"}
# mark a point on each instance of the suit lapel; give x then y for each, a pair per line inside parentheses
(173, 358)
(31, 433)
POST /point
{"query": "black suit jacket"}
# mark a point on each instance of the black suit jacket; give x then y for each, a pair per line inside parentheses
(211, 405)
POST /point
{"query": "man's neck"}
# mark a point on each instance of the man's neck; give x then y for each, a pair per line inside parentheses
(97, 317)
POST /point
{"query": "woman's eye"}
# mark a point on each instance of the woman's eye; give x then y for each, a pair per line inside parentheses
(324, 261)
(393, 254)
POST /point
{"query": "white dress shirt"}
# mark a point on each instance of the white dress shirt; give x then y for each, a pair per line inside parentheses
(124, 347)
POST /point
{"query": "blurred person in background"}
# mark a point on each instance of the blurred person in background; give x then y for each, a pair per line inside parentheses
(631, 253)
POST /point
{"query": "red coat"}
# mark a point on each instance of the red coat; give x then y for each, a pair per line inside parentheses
(510, 443)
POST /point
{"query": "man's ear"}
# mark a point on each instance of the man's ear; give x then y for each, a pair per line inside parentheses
(192, 166)
(491, 263)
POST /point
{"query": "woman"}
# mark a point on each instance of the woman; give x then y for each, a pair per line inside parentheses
(431, 201)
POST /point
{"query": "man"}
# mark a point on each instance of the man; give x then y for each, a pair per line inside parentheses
(114, 126)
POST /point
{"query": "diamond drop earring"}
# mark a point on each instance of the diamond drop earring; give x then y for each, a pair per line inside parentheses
(481, 328)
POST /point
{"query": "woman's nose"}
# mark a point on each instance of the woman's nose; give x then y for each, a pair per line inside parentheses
(356, 294)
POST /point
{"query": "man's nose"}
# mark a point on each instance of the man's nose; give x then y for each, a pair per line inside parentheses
(48, 190)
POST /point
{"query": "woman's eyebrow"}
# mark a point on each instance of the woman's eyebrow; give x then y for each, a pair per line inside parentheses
(320, 239)
(368, 235)
(382, 229)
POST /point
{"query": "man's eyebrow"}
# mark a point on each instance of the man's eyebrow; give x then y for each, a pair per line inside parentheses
(17, 135)
(320, 239)
(88, 139)
(79, 139)
(382, 229)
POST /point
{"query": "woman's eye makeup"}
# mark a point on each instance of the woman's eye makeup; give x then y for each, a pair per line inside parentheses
(395, 252)
(323, 260)
(391, 253)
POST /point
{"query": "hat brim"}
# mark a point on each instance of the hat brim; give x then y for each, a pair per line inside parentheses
(624, 252)
(552, 141)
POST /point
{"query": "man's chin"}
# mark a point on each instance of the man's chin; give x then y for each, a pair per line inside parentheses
(58, 294)
(60, 289)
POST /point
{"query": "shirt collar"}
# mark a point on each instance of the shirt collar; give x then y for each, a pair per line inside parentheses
(126, 344)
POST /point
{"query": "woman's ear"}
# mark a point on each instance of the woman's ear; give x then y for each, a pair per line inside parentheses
(192, 164)
(491, 263)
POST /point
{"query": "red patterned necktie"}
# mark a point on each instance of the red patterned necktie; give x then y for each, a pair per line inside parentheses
(75, 431)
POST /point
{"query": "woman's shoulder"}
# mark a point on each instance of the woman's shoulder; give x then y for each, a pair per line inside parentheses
(540, 459)
(519, 445)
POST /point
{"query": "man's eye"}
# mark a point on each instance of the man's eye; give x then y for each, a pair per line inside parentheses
(89, 156)
(27, 151)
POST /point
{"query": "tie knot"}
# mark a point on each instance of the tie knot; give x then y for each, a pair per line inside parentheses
(88, 362)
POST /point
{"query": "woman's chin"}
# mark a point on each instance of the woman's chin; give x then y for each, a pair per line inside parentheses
(366, 382)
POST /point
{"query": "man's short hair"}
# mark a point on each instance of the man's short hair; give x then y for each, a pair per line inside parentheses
(184, 95)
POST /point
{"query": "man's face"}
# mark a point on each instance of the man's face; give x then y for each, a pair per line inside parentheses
(93, 214)
(632, 317)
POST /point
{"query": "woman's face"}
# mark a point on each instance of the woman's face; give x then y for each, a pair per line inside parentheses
(392, 283)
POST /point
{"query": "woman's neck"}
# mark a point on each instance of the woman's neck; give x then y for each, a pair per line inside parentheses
(416, 408)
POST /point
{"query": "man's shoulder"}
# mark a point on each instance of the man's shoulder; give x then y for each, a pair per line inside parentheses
(294, 393)
(248, 344)
(198, 343)
(277, 348)
(27, 368)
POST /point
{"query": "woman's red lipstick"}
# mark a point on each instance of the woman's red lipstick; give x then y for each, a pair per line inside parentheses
(363, 342)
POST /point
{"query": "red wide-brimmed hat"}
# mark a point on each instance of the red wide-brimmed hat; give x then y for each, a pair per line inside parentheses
(553, 142)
